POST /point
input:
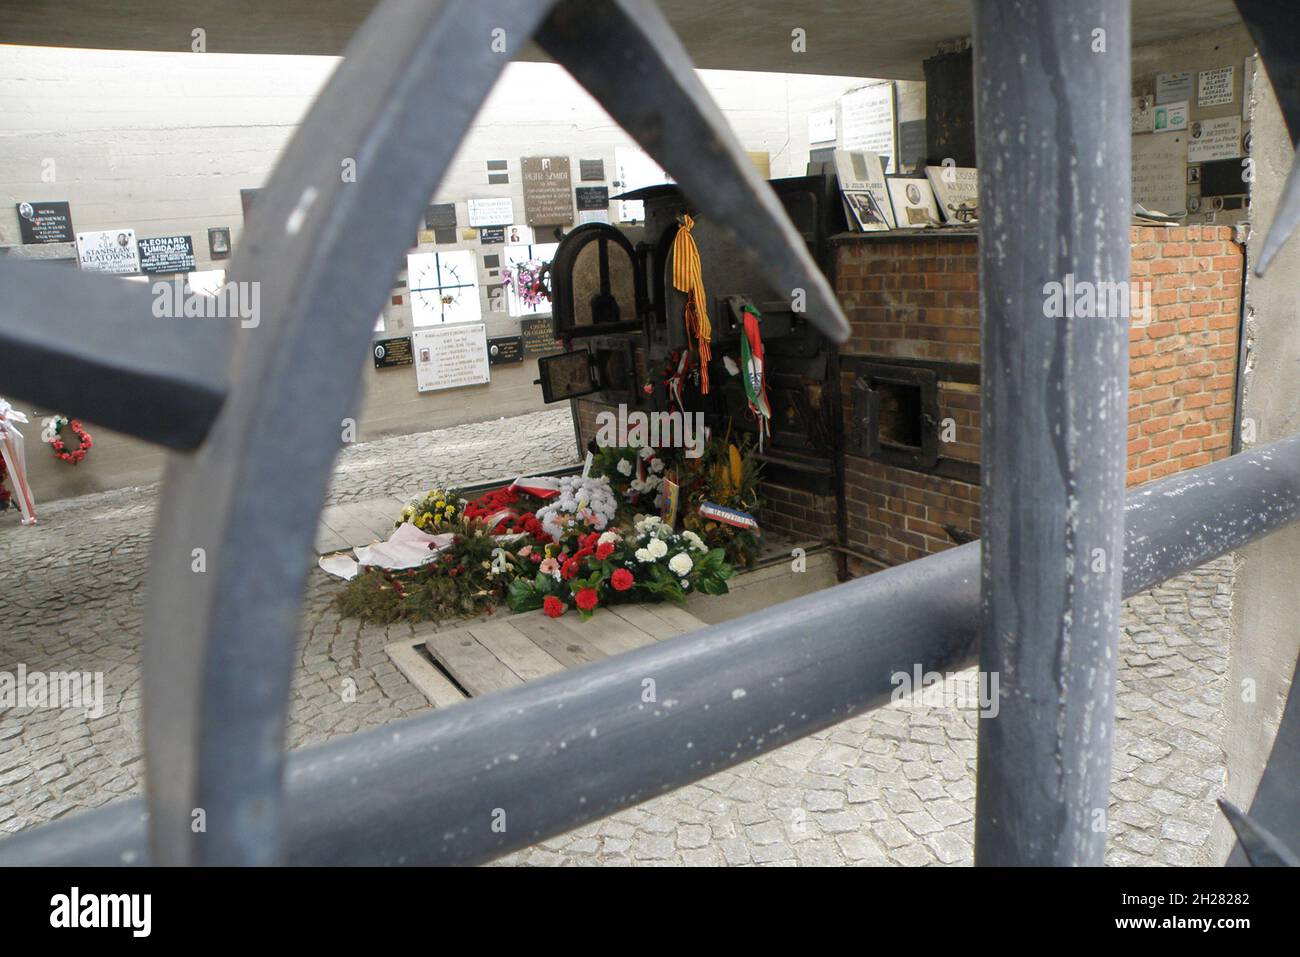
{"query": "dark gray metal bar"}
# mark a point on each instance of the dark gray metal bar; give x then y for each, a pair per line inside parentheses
(91, 346)
(1052, 134)
(427, 790)
(626, 54)
(324, 241)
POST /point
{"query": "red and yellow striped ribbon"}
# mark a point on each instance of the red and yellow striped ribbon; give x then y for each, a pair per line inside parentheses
(688, 276)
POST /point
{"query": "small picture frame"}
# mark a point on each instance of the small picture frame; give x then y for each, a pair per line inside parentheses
(219, 242)
(913, 202)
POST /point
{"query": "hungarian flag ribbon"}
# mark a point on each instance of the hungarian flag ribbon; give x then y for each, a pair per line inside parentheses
(751, 363)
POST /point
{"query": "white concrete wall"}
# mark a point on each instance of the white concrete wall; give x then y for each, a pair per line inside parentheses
(163, 143)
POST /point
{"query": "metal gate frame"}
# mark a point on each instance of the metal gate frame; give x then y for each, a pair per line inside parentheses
(1040, 601)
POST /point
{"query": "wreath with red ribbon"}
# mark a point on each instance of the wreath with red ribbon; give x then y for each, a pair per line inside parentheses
(61, 450)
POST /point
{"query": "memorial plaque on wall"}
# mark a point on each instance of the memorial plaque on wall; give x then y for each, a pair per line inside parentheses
(45, 222)
(593, 197)
(492, 235)
(491, 211)
(1215, 139)
(548, 190)
(1214, 87)
(505, 349)
(537, 335)
(591, 171)
(391, 352)
(1159, 172)
(867, 121)
(450, 356)
(108, 250)
(440, 214)
(166, 254)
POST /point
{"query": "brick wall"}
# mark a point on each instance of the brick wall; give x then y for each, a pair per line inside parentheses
(917, 298)
(1183, 354)
(797, 514)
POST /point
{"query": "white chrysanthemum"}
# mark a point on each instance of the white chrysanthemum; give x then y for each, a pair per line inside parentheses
(680, 564)
(657, 548)
(643, 555)
(625, 466)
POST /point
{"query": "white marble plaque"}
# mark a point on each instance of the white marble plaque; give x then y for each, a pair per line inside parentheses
(1159, 172)
(1214, 87)
(1214, 139)
(448, 357)
(867, 121)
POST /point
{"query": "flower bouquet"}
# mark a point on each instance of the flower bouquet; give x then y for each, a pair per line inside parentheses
(437, 510)
(652, 563)
(636, 474)
(584, 504)
(508, 511)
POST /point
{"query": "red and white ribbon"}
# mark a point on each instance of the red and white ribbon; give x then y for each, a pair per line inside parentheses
(15, 459)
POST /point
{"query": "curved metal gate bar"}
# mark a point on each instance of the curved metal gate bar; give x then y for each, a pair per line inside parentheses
(657, 98)
(219, 642)
(161, 381)
(425, 790)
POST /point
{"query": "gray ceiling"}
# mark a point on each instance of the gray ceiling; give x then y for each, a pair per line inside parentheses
(884, 38)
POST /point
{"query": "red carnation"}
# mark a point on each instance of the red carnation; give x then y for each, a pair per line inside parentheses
(587, 598)
(604, 551)
(553, 606)
(621, 579)
(569, 570)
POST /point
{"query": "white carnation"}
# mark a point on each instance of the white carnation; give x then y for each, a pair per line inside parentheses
(695, 541)
(657, 548)
(646, 452)
(608, 538)
(643, 555)
(657, 465)
(625, 466)
(680, 564)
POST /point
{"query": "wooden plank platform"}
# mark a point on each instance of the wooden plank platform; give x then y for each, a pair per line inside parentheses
(483, 656)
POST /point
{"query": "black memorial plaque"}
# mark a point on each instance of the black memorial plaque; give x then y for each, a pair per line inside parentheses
(166, 254)
(592, 197)
(491, 235)
(391, 352)
(505, 349)
(440, 215)
(537, 335)
(45, 222)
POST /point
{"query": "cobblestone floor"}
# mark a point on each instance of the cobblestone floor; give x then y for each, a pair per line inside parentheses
(892, 787)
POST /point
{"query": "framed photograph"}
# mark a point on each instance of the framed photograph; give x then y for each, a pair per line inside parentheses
(219, 242)
(913, 202)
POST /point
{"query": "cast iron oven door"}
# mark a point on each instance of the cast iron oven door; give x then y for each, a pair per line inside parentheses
(596, 284)
(896, 415)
